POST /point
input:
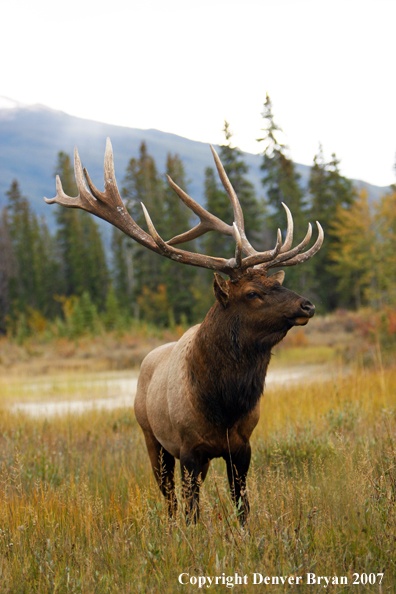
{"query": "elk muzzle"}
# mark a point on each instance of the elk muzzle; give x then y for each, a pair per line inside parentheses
(304, 311)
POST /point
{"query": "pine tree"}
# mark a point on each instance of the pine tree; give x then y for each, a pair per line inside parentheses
(328, 188)
(177, 219)
(80, 244)
(112, 314)
(122, 269)
(280, 179)
(37, 278)
(70, 236)
(22, 287)
(281, 182)
(143, 184)
(8, 269)
(177, 216)
(328, 191)
(97, 273)
(47, 271)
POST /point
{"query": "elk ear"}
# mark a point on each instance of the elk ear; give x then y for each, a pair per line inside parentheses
(221, 289)
(278, 276)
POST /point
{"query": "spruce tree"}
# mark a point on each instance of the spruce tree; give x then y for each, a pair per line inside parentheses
(280, 179)
(22, 287)
(80, 244)
(37, 278)
(281, 182)
(70, 236)
(8, 269)
(47, 271)
(122, 269)
(97, 273)
(177, 219)
(142, 183)
(329, 191)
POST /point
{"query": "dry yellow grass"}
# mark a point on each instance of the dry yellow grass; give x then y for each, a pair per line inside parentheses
(79, 510)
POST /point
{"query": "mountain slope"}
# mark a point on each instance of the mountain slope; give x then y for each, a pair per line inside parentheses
(31, 137)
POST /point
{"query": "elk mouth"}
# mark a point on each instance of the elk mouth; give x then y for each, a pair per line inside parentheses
(296, 321)
(300, 321)
(304, 313)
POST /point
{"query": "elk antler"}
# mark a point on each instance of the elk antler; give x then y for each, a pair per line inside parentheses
(109, 206)
(269, 259)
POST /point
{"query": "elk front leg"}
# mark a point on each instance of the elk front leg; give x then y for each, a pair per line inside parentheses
(163, 464)
(237, 469)
(193, 471)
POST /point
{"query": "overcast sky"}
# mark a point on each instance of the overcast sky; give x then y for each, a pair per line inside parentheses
(184, 67)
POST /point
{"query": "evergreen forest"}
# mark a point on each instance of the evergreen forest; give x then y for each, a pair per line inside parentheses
(64, 283)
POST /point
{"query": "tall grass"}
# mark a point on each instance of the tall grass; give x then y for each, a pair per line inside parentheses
(80, 512)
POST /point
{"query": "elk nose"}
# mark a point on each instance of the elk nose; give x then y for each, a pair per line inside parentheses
(308, 308)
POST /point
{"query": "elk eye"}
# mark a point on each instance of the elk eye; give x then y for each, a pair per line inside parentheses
(252, 295)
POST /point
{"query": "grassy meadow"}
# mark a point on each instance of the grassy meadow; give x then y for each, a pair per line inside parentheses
(80, 511)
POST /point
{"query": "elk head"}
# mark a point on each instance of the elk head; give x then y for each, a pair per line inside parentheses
(267, 308)
(109, 206)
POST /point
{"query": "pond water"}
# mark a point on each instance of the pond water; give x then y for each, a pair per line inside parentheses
(106, 392)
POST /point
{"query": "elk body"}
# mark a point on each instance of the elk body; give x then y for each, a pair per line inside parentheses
(199, 398)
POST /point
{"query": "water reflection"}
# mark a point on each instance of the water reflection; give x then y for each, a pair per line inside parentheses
(120, 391)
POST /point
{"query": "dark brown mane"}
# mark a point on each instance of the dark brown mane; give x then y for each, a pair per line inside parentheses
(227, 375)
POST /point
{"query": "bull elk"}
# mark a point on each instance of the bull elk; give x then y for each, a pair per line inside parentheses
(199, 398)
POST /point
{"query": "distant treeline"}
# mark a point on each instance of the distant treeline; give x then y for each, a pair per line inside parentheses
(66, 279)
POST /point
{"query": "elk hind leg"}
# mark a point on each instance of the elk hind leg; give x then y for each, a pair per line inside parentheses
(163, 465)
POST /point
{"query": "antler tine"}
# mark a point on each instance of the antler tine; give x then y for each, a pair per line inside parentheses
(289, 234)
(154, 234)
(306, 255)
(105, 205)
(238, 214)
(238, 247)
(260, 257)
(291, 253)
(267, 261)
(60, 197)
(111, 192)
(110, 178)
(208, 222)
(189, 235)
(80, 181)
(81, 200)
(229, 267)
(109, 164)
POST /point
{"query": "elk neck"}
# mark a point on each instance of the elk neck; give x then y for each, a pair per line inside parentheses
(227, 367)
